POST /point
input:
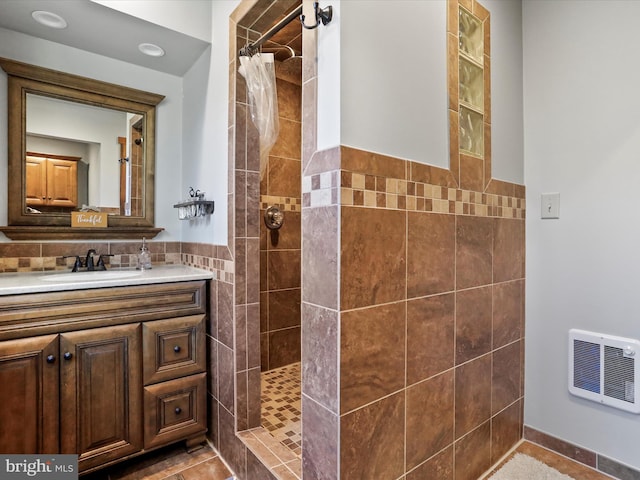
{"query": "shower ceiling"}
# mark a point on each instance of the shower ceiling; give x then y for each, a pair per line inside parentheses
(261, 20)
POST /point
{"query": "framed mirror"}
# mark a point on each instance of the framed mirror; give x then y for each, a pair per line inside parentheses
(78, 144)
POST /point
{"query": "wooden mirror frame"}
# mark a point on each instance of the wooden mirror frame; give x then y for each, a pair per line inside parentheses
(24, 78)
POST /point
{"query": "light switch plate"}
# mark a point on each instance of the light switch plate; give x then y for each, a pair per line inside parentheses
(550, 205)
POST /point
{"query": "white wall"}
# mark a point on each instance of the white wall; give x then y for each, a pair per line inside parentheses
(393, 81)
(47, 54)
(205, 130)
(89, 124)
(582, 140)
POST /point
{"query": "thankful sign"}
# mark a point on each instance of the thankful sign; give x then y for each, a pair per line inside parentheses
(89, 219)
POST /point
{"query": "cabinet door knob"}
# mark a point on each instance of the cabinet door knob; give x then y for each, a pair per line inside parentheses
(176, 348)
(178, 410)
(51, 359)
(68, 355)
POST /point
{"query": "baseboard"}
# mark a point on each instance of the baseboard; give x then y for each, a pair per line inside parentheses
(587, 457)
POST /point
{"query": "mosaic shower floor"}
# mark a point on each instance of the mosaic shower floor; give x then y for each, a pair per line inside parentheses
(281, 406)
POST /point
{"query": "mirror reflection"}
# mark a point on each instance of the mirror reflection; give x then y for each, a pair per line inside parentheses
(82, 157)
(78, 143)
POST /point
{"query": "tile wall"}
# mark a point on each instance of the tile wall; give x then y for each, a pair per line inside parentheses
(48, 256)
(425, 283)
(412, 305)
(237, 404)
(280, 249)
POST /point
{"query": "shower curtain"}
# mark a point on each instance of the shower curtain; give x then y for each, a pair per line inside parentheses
(259, 73)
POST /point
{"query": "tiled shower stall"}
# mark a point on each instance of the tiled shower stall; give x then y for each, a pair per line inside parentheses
(412, 305)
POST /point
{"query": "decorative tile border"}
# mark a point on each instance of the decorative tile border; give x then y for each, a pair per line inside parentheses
(27, 264)
(288, 204)
(223, 270)
(320, 189)
(358, 189)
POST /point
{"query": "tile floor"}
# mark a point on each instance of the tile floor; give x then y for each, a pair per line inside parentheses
(174, 463)
(278, 444)
(281, 405)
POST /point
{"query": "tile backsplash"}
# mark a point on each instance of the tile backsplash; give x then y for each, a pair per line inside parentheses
(53, 256)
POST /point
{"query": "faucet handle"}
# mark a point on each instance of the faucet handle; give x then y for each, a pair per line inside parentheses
(100, 265)
(77, 264)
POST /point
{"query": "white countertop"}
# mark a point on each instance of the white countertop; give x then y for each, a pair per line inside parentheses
(57, 281)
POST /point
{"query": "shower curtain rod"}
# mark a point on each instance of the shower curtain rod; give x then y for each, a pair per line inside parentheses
(323, 15)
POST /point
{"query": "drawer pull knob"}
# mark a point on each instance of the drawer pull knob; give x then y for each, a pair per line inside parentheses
(68, 355)
(51, 359)
(178, 410)
(176, 348)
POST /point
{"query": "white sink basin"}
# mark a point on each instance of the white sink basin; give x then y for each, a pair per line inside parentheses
(90, 276)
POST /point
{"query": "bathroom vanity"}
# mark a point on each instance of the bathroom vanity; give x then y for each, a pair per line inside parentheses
(106, 368)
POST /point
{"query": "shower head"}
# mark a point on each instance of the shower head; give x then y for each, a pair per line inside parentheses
(291, 50)
(290, 67)
(294, 61)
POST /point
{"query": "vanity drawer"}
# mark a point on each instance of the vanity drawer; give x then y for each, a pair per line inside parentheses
(173, 348)
(33, 314)
(174, 410)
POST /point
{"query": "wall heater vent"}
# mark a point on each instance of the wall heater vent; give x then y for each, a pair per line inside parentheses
(602, 368)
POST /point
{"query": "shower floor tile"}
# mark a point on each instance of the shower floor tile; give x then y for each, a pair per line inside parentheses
(281, 406)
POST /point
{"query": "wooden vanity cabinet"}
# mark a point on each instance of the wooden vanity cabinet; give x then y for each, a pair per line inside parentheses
(103, 373)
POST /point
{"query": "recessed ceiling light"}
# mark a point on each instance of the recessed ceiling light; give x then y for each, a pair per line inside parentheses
(49, 19)
(151, 49)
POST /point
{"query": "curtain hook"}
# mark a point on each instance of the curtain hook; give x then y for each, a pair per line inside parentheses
(323, 15)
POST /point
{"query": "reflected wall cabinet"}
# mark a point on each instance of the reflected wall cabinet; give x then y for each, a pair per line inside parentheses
(51, 180)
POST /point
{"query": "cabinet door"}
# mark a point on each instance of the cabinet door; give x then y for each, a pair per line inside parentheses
(36, 180)
(100, 398)
(62, 183)
(29, 395)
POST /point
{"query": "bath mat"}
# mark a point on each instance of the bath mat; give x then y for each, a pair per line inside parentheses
(524, 467)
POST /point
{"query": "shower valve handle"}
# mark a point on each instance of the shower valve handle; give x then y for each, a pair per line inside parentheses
(273, 218)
